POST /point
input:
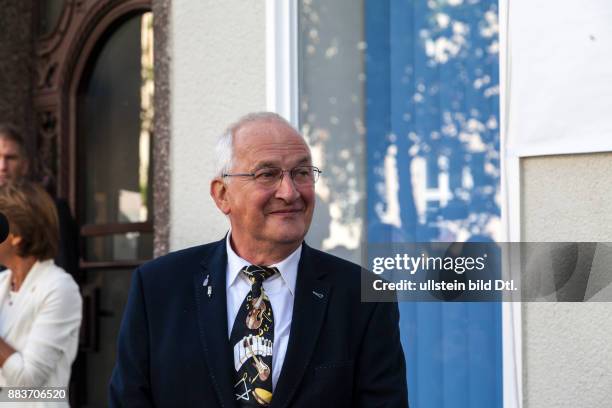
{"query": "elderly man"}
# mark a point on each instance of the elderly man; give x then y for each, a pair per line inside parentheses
(259, 318)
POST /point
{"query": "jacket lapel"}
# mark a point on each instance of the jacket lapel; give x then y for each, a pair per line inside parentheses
(212, 319)
(309, 308)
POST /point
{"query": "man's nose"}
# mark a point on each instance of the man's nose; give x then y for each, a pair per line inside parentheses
(3, 164)
(286, 190)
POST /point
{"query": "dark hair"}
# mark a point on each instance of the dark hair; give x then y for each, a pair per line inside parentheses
(10, 132)
(32, 216)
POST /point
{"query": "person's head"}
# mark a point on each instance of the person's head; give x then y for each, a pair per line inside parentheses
(265, 210)
(33, 223)
(13, 157)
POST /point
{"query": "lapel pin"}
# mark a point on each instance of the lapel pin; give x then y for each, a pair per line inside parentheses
(317, 294)
(206, 285)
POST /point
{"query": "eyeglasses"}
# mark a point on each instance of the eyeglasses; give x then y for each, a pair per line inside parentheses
(268, 177)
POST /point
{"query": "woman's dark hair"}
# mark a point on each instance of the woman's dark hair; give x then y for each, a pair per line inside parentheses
(32, 215)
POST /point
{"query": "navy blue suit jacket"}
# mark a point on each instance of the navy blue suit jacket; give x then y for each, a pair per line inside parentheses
(173, 348)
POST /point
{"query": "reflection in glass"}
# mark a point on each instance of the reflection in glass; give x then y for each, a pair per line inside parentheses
(146, 110)
(115, 124)
(131, 246)
(49, 12)
(331, 61)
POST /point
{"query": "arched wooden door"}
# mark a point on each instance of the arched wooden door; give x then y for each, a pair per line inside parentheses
(94, 106)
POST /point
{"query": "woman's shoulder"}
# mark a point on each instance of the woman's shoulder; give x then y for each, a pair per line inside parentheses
(54, 278)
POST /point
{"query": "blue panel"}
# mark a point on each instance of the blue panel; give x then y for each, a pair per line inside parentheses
(432, 104)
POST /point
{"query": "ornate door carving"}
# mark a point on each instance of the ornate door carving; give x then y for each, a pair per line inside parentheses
(60, 58)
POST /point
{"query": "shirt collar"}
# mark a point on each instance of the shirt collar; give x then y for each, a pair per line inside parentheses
(287, 267)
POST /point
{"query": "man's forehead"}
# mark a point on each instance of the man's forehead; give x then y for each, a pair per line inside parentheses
(8, 145)
(269, 137)
(278, 162)
(284, 155)
(265, 127)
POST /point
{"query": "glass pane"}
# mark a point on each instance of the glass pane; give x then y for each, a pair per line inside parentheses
(131, 246)
(49, 12)
(331, 60)
(115, 116)
(113, 285)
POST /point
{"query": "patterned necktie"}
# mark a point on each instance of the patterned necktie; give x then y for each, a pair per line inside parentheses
(252, 341)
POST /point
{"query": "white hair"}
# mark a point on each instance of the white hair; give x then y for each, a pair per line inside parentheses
(224, 149)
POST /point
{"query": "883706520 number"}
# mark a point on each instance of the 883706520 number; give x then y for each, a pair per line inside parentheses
(14, 394)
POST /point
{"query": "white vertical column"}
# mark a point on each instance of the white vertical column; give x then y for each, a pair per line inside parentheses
(281, 58)
(511, 220)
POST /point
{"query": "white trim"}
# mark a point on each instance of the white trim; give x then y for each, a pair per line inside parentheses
(512, 348)
(569, 147)
(281, 58)
(511, 193)
(510, 166)
(512, 354)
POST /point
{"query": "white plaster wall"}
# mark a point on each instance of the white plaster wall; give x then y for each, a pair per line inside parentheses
(217, 70)
(567, 352)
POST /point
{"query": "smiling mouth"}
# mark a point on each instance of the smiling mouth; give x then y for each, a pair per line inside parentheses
(288, 211)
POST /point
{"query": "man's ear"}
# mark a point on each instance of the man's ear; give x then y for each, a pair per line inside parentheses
(219, 193)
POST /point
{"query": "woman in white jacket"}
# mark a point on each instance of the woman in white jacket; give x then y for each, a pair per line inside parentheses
(40, 304)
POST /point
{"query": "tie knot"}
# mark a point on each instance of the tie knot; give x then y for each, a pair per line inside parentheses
(258, 274)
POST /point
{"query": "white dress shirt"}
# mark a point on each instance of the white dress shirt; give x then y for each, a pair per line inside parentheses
(279, 288)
